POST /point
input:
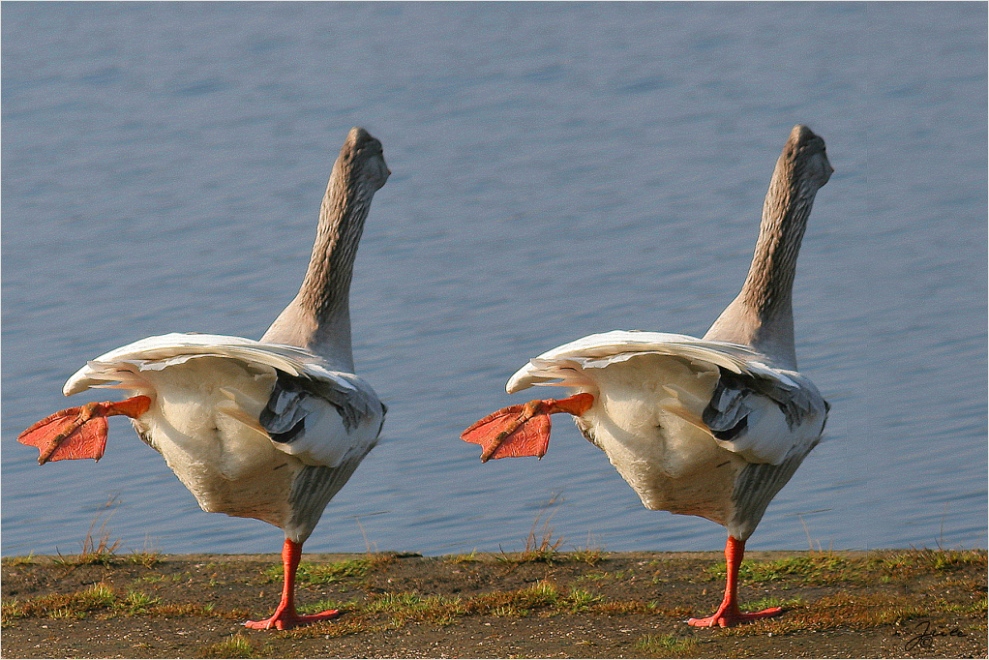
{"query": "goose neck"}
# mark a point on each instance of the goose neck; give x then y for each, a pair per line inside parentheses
(325, 291)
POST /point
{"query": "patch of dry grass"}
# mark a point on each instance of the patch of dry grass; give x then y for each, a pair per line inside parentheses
(841, 610)
(666, 646)
(26, 560)
(813, 568)
(819, 592)
(589, 556)
(145, 558)
(99, 550)
(104, 601)
(310, 573)
(469, 558)
(237, 646)
(829, 568)
(902, 564)
(401, 608)
(541, 547)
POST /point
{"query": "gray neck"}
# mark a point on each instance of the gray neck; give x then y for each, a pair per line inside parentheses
(768, 287)
(319, 317)
(761, 315)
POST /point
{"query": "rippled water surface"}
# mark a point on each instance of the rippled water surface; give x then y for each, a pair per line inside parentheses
(558, 170)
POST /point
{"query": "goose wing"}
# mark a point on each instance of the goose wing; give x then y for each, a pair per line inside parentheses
(760, 412)
(322, 416)
(327, 418)
(604, 349)
(156, 353)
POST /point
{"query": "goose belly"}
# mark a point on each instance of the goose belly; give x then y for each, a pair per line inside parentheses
(638, 420)
(204, 422)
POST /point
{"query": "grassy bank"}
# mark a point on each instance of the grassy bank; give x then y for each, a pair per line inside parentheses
(540, 603)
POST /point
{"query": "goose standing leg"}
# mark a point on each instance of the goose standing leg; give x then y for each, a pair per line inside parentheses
(285, 616)
(728, 613)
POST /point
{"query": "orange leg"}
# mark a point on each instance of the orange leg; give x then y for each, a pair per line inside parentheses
(522, 430)
(79, 432)
(728, 614)
(285, 616)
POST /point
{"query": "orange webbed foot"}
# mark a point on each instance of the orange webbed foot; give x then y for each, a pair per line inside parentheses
(522, 430)
(286, 619)
(79, 432)
(726, 618)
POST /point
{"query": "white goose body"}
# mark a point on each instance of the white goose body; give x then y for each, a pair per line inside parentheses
(655, 416)
(238, 421)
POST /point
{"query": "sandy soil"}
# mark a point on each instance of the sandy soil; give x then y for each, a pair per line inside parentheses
(540, 604)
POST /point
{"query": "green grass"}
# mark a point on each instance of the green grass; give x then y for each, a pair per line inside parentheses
(98, 597)
(771, 601)
(812, 568)
(103, 601)
(310, 573)
(547, 598)
(826, 568)
(26, 560)
(589, 556)
(904, 564)
(136, 602)
(408, 606)
(470, 558)
(403, 607)
(145, 558)
(841, 611)
(237, 646)
(603, 576)
(666, 646)
(373, 610)
(580, 600)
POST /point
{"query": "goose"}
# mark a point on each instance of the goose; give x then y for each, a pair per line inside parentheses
(711, 427)
(268, 429)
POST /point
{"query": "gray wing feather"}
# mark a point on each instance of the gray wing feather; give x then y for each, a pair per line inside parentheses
(755, 487)
(312, 490)
(354, 405)
(292, 399)
(726, 413)
(286, 416)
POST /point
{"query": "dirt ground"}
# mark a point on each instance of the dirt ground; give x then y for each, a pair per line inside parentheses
(888, 604)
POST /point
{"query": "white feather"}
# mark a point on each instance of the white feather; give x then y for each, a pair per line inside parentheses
(207, 394)
(156, 353)
(651, 390)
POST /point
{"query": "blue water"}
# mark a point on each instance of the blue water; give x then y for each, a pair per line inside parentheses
(559, 170)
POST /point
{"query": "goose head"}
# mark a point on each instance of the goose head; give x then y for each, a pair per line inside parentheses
(362, 154)
(806, 155)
